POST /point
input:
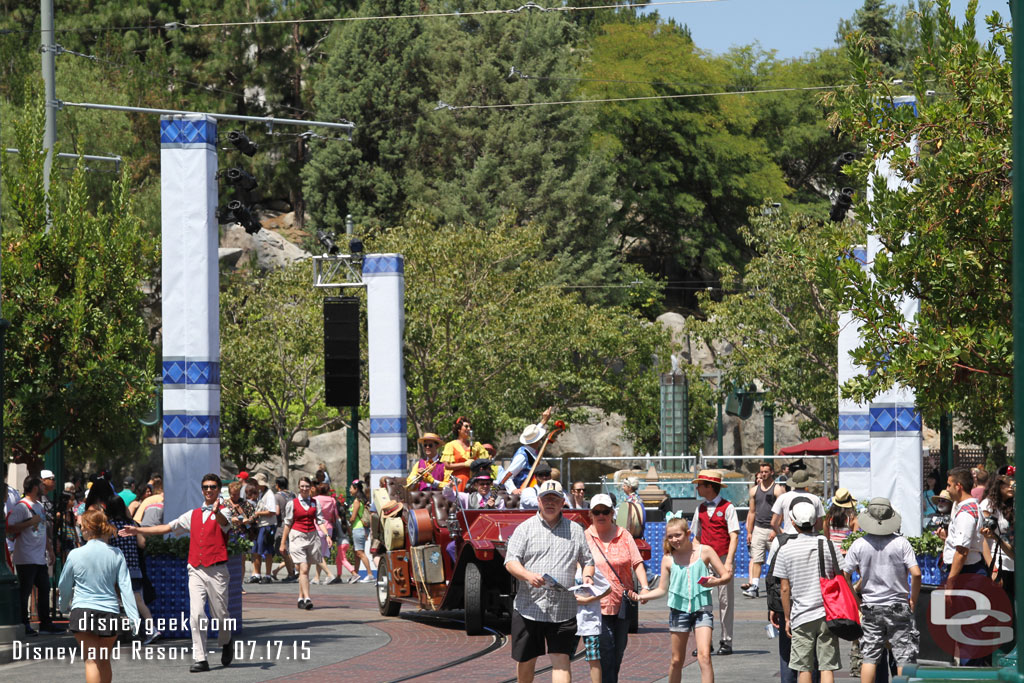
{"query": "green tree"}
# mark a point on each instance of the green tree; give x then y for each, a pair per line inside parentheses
(413, 151)
(685, 170)
(947, 242)
(491, 334)
(375, 74)
(778, 318)
(79, 360)
(793, 125)
(272, 362)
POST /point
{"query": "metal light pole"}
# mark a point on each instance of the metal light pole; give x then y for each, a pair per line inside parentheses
(10, 597)
(1017, 12)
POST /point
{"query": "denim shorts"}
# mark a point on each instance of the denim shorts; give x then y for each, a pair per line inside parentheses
(359, 539)
(684, 622)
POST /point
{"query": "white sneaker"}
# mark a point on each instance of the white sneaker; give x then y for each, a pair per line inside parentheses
(314, 582)
(752, 592)
(151, 638)
(366, 579)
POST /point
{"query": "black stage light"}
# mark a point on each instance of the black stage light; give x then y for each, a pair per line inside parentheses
(327, 241)
(241, 179)
(842, 204)
(242, 143)
(241, 214)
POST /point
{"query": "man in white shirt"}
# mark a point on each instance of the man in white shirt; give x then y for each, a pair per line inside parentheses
(782, 522)
(962, 551)
(208, 574)
(528, 497)
(27, 522)
(266, 523)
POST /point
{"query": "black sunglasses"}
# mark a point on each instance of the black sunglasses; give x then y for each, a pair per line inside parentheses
(600, 512)
(210, 487)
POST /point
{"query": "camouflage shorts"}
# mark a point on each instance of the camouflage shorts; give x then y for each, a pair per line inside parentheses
(889, 624)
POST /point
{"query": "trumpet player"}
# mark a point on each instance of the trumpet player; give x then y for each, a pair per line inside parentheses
(429, 472)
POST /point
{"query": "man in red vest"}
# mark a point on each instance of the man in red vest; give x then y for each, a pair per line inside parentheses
(716, 524)
(207, 570)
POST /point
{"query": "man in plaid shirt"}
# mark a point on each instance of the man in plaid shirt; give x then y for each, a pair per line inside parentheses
(544, 620)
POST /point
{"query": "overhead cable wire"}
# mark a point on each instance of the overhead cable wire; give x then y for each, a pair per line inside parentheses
(529, 6)
(515, 105)
(59, 49)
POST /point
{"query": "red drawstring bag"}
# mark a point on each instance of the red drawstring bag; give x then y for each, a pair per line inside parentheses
(842, 615)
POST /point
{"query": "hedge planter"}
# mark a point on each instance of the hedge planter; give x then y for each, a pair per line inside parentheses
(169, 575)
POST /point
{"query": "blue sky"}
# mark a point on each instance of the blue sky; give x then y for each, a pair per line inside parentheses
(791, 27)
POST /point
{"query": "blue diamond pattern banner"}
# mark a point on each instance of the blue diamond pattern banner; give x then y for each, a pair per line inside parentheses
(395, 426)
(855, 459)
(195, 372)
(384, 263)
(191, 426)
(856, 422)
(188, 132)
(387, 461)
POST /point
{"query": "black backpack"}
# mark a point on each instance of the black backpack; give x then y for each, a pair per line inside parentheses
(772, 586)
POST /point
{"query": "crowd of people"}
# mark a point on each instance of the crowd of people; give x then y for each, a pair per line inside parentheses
(572, 582)
(789, 528)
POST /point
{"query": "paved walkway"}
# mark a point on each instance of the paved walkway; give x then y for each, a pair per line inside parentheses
(345, 638)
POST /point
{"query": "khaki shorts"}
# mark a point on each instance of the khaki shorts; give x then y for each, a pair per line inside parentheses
(759, 542)
(814, 642)
(304, 546)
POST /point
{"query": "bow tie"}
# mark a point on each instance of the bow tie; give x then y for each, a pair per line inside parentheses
(207, 508)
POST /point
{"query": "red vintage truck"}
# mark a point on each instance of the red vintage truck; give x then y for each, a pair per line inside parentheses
(417, 569)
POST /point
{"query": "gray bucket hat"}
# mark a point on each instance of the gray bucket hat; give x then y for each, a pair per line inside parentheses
(879, 518)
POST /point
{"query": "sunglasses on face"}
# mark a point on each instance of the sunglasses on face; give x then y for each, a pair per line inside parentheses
(577, 490)
(210, 487)
(600, 512)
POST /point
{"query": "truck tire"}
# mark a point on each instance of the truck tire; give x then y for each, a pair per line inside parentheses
(474, 600)
(388, 606)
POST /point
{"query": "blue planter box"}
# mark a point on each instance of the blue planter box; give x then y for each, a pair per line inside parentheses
(169, 576)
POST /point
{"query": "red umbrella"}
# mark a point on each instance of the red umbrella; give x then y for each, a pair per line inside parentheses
(819, 446)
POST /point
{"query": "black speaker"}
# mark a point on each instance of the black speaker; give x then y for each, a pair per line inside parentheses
(341, 351)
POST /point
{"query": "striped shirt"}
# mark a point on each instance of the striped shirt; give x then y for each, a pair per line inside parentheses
(797, 561)
(553, 550)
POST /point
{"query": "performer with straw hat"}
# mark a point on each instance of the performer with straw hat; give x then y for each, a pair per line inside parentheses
(525, 457)
(429, 472)
(716, 524)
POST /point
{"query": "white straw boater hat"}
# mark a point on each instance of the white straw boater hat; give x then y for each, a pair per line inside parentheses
(710, 476)
(532, 434)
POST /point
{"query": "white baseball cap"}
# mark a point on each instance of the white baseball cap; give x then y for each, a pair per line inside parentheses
(46, 474)
(803, 514)
(601, 499)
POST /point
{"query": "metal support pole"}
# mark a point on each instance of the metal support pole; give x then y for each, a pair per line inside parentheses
(352, 450)
(720, 428)
(1017, 12)
(769, 430)
(945, 446)
(352, 441)
(10, 597)
(49, 55)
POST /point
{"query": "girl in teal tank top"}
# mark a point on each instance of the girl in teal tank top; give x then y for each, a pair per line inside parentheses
(688, 572)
